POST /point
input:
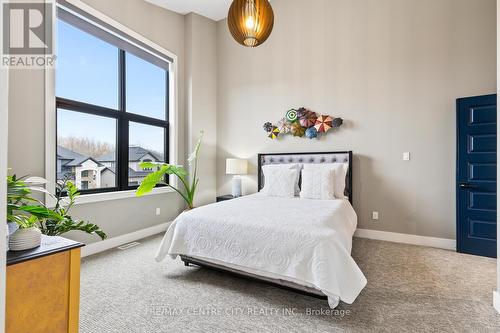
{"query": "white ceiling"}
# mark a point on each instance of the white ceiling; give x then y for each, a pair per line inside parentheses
(214, 9)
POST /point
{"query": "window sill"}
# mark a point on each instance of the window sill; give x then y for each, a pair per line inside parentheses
(99, 197)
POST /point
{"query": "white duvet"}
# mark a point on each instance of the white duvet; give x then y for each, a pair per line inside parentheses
(299, 240)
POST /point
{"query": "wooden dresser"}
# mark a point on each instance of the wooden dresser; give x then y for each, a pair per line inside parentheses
(43, 288)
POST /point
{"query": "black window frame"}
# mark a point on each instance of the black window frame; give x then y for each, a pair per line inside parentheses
(123, 119)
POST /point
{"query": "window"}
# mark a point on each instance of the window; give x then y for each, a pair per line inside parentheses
(80, 151)
(112, 99)
(146, 145)
(146, 86)
(87, 68)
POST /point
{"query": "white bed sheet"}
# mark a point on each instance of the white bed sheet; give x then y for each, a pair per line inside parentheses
(299, 240)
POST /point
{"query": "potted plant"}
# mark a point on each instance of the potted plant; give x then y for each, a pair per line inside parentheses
(33, 218)
(20, 204)
(187, 192)
(60, 222)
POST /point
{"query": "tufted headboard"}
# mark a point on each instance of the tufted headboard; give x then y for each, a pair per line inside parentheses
(326, 157)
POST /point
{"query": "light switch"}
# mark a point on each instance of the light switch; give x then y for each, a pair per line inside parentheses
(374, 215)
(406, 156)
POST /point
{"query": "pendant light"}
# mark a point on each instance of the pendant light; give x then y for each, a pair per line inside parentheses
(250, 21)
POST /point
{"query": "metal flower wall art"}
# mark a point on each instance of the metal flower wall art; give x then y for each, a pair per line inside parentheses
(302, 123)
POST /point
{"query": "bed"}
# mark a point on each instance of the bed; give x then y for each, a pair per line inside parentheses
(294, 243)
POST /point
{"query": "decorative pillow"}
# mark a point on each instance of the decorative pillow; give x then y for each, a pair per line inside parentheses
(318, 183)
(280, 182)
(340, 172)
(293, 166)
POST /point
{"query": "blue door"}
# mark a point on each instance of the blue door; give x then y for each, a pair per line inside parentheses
(477, 175)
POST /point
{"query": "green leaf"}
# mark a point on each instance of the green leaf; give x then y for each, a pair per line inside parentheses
(56, 228)
(24, 221)
(149, 165)
(39, 211)
(51, 221)
(157, 177)
(151, 180)
(72, 191)
(179, 171)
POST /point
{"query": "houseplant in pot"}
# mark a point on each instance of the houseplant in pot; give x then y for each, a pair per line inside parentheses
(27, 236)
(60, 222)
(189, 184)
(22, 213)
(33, 218)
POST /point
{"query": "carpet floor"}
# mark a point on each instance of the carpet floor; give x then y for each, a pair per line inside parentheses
(410, 289)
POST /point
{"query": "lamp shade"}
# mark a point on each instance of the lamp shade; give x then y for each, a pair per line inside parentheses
(250, 21)
(236, 166)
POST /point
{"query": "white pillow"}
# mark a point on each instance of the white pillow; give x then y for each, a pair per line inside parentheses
(318, 183)
(294, 166)
(280, 182)
(340, 172)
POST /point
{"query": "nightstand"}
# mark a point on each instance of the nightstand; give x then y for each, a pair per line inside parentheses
(225, 197)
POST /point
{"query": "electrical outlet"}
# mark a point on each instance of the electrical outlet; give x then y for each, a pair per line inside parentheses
(158, 211)
(374, 215)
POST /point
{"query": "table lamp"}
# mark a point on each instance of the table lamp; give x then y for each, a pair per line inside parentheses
(236, 167)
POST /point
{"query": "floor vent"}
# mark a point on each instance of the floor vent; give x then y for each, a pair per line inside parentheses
(128, 245)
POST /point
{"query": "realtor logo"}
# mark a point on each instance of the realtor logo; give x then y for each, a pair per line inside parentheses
(27, 35)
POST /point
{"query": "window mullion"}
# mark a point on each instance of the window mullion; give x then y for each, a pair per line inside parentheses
(122, 145)
(78, 106)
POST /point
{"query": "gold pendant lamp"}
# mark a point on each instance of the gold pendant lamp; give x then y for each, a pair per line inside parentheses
(250, 21)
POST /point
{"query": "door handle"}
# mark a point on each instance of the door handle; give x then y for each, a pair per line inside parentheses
(466, 186)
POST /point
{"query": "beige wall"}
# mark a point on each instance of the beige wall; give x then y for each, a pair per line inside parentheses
(27, 118)
(201, 99)
(392, 69)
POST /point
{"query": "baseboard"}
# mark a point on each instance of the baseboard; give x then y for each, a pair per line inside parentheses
(110, 243)
(442, 243)
(496, 300)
